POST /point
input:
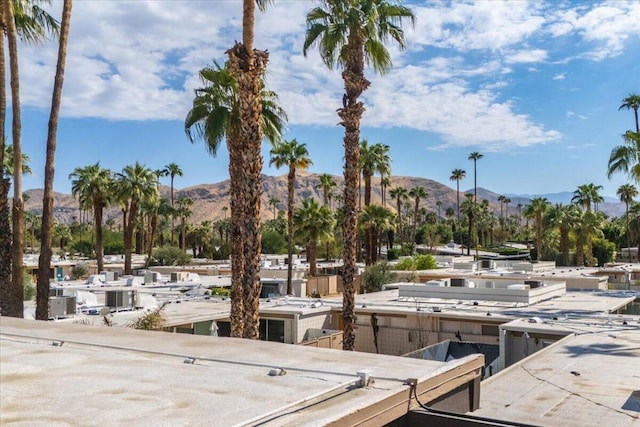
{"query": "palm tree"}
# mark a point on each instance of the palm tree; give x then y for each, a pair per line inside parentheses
(475, 156)
(247, 67)
(385, 182)
(313, 224)
(215, 115)
(632, 102)
(93, 185)
(563, 218)
(373, 159)
(274, 202)
(29, 22)
(377, 218)
(627, 193)
(184, 212)
(418, 193)
(172, 170)
(588, 225)
(586, 195)
(46, 235)
(457, 175)
(400, 194)
(295, 156)
(469, 207)
(350, 34)
(536, 210)
(626, 158)
(135, 184)
(326, 184)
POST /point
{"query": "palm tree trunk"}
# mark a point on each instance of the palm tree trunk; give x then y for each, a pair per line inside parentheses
(128, 237)
(628, 236)
(46, 234)
(97, 216)
(355, 84)
(248, 66)
(458, 197)
(5, 226)
(312, 249)
(17, 273)
(153, 224)
(290, 184)
(236, 168)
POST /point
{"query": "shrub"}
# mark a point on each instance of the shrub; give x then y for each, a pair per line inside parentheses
(79, 271)
(375, 276)
(83, 247)
(113, 248)
(392, 254)
(223, 292)
(29, 290)
(425, 262)
(405, 264)
(273, 243)
(170, 255)
(151, 320)
(603, 250)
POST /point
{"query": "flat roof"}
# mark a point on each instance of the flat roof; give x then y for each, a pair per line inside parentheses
(67, 374)
(589, 378)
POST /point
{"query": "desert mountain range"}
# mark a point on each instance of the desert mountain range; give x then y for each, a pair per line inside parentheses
(209, 199)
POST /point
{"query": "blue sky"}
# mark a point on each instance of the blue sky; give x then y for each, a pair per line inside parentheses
(534, 86)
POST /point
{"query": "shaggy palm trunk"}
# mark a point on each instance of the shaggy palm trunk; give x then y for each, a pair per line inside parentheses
(236, 169)
(130, 224)
(354, 84)
(369, 250)
(17, 274)
(564, 241)
(538, 237)
(153, 225)
(290, 184)
(5, 226)
(248, 67)
(97, 217)
(172, 208)
(399, 206)
(628, 236)
(46, 234)
(415, 227)
(580, 251)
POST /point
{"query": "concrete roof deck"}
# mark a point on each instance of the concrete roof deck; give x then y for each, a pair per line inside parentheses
(591, 378)
(63, 374)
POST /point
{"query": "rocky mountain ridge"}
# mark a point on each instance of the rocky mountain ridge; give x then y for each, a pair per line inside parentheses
(210, 199)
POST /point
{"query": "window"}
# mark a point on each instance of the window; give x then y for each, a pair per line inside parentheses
(492, 330)
(272, 330)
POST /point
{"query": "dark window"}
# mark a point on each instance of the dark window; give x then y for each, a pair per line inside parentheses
(490, 330)
(272, 330)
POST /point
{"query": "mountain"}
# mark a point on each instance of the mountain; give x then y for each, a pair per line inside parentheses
(210, 199)
(611, 206)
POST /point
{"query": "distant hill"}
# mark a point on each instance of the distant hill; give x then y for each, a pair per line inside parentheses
(209, 199)
(611, 206)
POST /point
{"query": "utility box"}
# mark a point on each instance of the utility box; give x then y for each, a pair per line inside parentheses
(179, 276)
(150, 277)
(56, 292)
(57, 307)
(117, 299)
(110, 276)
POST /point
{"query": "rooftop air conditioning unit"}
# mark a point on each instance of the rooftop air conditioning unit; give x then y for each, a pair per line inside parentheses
(57, 307)
(56, 292)
(117, 299)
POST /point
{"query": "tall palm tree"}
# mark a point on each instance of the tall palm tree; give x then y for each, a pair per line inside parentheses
(172, 170)
(626, 158)
(247, 66)
(377, 218)
(586, 195)
(469, 207)
(136, 183)
(400, 194)
(536, 210)
(475, 156)
(93, 186)
(295, 156)
(274, 202)
(632, 102)
(385, 182)
(326, 184)
(373, 159)
(418, 193)
(46, 235)
(350, 34)
(563, 218)
(215, 116)
(313, 224)
(457, 175)
(589, 225)
(626, 193)
(184, 212)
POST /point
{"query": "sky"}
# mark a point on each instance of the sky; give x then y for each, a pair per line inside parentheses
(534, 86)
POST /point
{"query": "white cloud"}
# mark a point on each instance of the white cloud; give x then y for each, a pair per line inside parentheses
(121, 67)
(570, 114)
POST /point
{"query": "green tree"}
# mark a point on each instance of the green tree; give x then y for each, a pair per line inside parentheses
(587, 195)
(625, 158)
(400, 194)
(348, 35)
(457, 175)
(627, 193)
(375, 218)
(325, 185)
(313, 224)
(418, 193)
(588, 226)
(135, 184)
(216, 116)
(93, 185)
(475, 156)
(536, 211)
(295, 156)
(274, 202)
(184, 212)
(632, 102)
(172, 170)
(563, 218)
